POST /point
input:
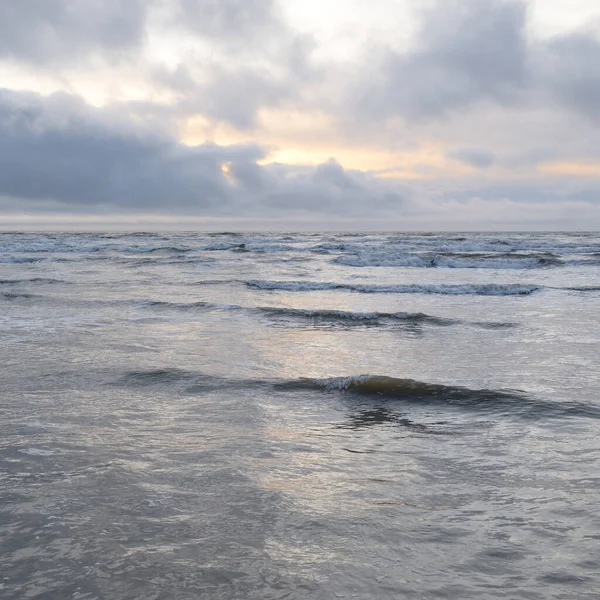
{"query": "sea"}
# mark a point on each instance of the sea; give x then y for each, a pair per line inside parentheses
(248, 416)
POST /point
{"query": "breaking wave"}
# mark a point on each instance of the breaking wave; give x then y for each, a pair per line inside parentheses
(412, 391)
(375, 388)
(488, 289)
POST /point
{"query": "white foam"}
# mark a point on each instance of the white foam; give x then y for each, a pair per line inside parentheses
(36, 452)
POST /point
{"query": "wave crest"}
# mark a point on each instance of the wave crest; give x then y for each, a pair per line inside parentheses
(357, 317)
(409, 390)
(449, 260)
(486, 289)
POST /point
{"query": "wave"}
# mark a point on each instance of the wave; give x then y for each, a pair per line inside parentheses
(501, 261)
(488, 289)
(22, 259)
(32, 280)
(584, 288)
(213, 282)
(411, 391)
(224, 246)
(15, 296)
(225, 233)
(331, 316)
(35, 259)
(451, 260)
(150, 249)
(156, 376)
(250, 247)
(379, 261)
(376, 388)
(186, 306)
(189, 382)
(356, 317)
(584, 262)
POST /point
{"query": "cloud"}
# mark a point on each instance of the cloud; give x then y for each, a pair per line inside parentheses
(466, 51)
(47, 31)
(256, 61)
(473, 88)
(59, 150)
(568, 67)
(475, 157)
(235, 23)
(60, 156)
(228, 59)
(469, 54)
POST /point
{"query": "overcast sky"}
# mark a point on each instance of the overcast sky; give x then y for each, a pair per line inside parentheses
(300, 114)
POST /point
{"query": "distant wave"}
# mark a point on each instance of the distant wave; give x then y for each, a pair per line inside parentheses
(186, 306)
(382, 261)
(35, 259)
(150, 249)
(450, 260)
(374, 317)
(250, 247)
(22, 259)
(489, 289)
(15, 296)
(32, 280)
(213, 282)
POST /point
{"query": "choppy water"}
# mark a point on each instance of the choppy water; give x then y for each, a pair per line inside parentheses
(260, 416)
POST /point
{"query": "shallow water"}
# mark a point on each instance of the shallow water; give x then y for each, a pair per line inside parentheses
(299, 416)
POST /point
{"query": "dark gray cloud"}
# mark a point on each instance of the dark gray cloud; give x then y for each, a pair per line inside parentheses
(254, 59)
(473, 53)
(466, 51)
(47, 31)
(475, 157)
(239, 24)
(60, 150)
(569, 69)
(60, 156)
(229, 94)
(55, 31)
(258, 60)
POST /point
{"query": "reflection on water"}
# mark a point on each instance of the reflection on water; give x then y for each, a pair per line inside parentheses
(361, 418)
(163, 436)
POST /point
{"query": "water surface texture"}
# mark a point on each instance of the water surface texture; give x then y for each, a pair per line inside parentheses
(288, 416)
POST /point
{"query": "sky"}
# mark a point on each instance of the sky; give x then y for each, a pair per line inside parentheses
(300, 114)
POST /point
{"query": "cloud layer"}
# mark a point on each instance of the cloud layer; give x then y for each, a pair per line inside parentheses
(476, 109)
(60, 150)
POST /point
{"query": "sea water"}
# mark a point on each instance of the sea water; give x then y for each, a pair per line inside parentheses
(322, 415)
